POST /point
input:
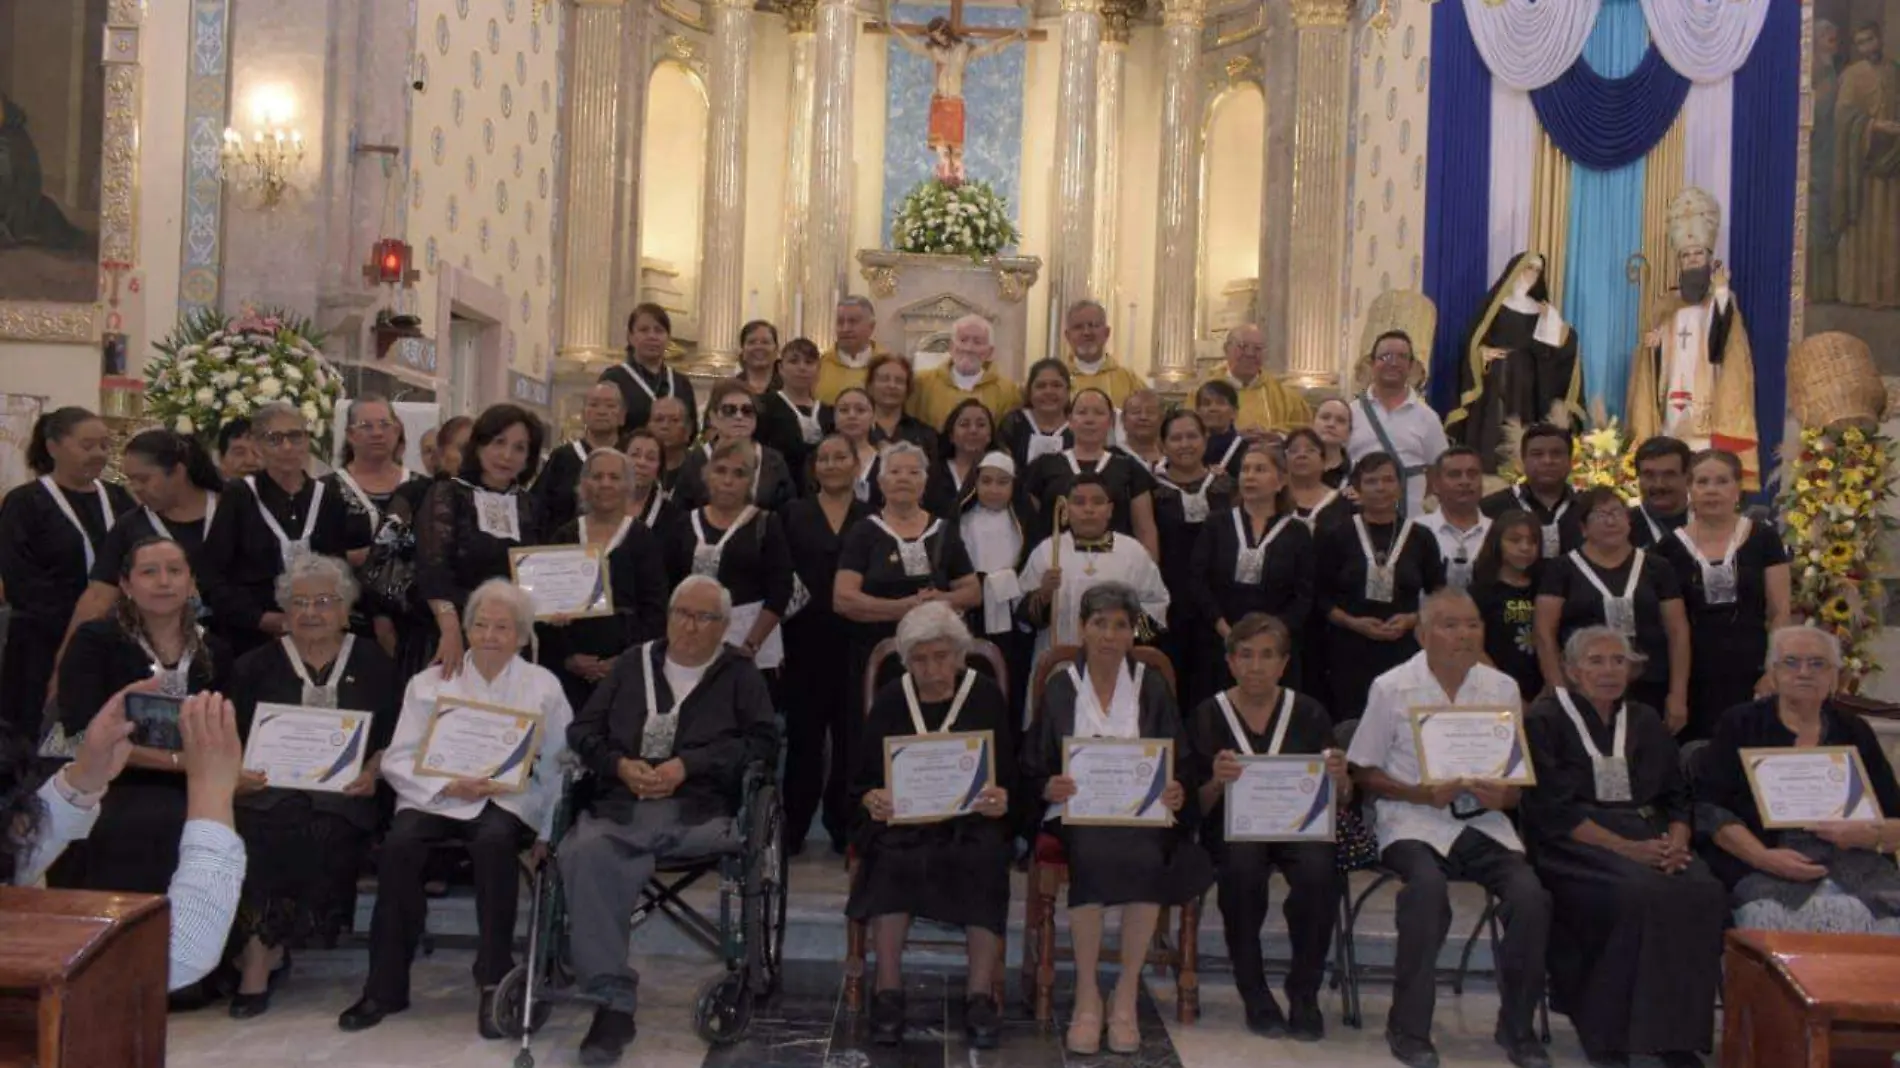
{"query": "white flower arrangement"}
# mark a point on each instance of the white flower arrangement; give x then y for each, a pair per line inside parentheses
(967, 219)
(214, 369)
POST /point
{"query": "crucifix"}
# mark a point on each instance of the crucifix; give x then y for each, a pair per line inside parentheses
(1684, 336)
(950, 44)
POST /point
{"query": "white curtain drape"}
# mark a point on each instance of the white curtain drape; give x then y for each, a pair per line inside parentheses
(1708, 129)
(1527, 44)
(1704, 40)
(1513, 160)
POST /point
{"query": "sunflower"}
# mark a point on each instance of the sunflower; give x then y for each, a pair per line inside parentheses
(1836, 610)
(1839, 555)
(1853, 436)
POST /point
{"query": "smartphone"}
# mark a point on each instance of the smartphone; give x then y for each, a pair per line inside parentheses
(154, 719)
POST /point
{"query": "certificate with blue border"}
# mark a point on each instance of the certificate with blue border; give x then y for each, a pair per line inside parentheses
(1118, 781)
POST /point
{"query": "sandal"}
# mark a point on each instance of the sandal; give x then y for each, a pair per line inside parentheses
(1085, 1029)
(1124, 1034)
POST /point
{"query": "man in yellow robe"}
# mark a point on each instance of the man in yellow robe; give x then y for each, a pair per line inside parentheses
(1085, 328)
(1693, 374)
(968, 374)
(1266, 403)
(844, 365)
(1865, 204)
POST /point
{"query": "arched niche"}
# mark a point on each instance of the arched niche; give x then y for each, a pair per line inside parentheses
(1233, 170)
(672, 181)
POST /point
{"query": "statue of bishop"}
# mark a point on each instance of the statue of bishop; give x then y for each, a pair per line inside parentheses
(1693, 375)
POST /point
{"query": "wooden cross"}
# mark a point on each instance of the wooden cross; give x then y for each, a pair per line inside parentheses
(958, 28)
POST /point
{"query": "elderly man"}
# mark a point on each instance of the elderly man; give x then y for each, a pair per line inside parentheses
(844, 366)
(668, 735)
(968, 374)
(1265, 402)
(558, 485)
(1391, 417)
(1431, 835)
(1085, 328)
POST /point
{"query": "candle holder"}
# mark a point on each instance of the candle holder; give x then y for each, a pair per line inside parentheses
(263, 165)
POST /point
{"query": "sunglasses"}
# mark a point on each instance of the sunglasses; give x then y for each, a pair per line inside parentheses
(735, 411)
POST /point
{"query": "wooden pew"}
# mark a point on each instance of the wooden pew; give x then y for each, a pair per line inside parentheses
(1796, 1000)
(82, 978)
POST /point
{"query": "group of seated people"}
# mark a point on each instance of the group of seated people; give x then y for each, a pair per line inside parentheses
(1277, 555)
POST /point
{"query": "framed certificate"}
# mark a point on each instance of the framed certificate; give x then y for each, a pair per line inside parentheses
(934, 777)
(1471, 743)
(1286, 798)
(1118, 781)
(1803, 787)
(469, 740)
(301, 748)
(563, 580)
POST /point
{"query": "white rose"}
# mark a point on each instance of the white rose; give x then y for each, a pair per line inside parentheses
(224, 379)
(311, 415)
(323, 402)
(184, 425)
(222, 352)
(293, 374)
(234, 397)
(205, 395)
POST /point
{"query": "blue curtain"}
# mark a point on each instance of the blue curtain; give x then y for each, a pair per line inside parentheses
(1611, 121)
(1606, 221)
(1457, 193)
(1761, 243)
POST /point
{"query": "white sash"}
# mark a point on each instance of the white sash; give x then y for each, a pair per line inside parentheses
(362, 496)
(914, 554)
(808, 426)
(1089, 710)
(1075, 465)
(640, 380)
(66, 507)
(285, 546)
(861, 487)
(1041, 444)
(1655, 532)
(1382, 580)
(1250, 562)
(956, 704)
(1233, 447)
(1618, 612)
(1194, 502)
(315, 696)
(650, 513)
(706, 557)
(1612, 771)
(1240, 735)
(1553, 532)
(1458, 568)
(1719, 584)
(660, 728)
(211, 509)
(172, 681)
(579, 447)
(1311, 518)
(620, 535)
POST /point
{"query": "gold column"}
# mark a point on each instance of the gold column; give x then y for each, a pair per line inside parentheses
(722, 261)
(1110, 81)
(802, 47)
(827, 262)
(1177, 231)
(636, 39)
(1074, 185)
(1550, 209)
(587, 238)
(1316, 353)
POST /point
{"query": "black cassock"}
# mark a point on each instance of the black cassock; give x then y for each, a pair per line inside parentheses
(1525, 384)
(1635, 955)
(955, 871)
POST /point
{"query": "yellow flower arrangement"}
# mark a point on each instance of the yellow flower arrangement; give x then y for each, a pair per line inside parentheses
(1833, 522)
(1605, 455)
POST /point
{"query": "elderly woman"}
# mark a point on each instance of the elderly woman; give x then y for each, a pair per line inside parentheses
(1130, 483)
(306, 846)
(583, 651)
(1259, 716)
(956, 871)
(1636, 938)
(264, 520)
(743, 547)
(496, 822)
(1835, 876)
(1106, 694)
(733, 416)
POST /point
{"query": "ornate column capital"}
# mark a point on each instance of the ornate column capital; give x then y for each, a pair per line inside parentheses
(600, 3)
(1081, 7)
(1318, 14)
(800, 15)
(736, 5)
(1116, 17)
(1189, 13)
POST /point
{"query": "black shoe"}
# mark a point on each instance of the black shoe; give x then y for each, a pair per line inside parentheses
(245, 1006)
(188, 999)
(1681, 1058)
(1412, 1052)
(1524, 1051)
(1263, 1015)
(485, 1016)
(609, 1036)
(887, 1017)
(1304, 1021)
(367, 1013)
(982, 1029)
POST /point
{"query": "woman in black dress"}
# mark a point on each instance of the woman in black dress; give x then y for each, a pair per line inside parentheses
(887, 381)
(1633, 590)
(851, 414)
(1636, 939)
(134, 846)
(1733, 573)
(758, 358)
(1332, 423)
(955, 871)
(468, 523)
(264, 520)
(644, 377)
(1504, 587)
(1106, 694)
(1130, 484)
(1041, 426)
(370, 484)
(791, 419)
(646, 498)
(1142, 437)
(1217, 402)
(816, 695)
(732, 415)
(670, 426)
(1188, 495)
(968, 435)
(743, 547)
(306, 847)
(1257, 558)
(1373, 572)
(581, 652)
(1314, 498)
(51, 532)
(602, 413)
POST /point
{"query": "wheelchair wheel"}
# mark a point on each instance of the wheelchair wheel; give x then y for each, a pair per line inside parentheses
(723, 1012)
(765, 901)
(509, 994)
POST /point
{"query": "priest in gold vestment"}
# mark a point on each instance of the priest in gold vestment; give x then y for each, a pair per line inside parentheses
(1693, 375)
(843, 366)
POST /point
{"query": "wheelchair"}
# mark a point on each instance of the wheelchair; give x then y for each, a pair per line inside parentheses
(748, 935)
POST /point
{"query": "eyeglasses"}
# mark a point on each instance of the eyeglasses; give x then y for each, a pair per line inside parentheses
(280, 438)
(1391, 357)
(1610, 515)
(370, 426)
(698, 619)
(1799, 664)
(322, 603)
(735, 411)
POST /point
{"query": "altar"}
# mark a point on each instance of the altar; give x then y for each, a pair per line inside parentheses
(919, 297)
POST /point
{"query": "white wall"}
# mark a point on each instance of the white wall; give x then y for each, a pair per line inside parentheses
(673, 162)
(1233, 167)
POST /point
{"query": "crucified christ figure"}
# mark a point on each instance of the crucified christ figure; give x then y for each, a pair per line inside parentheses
(950, 46)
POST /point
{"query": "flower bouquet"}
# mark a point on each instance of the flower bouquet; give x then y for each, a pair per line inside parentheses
(1832, 505)
(216, 368)
(966, 219)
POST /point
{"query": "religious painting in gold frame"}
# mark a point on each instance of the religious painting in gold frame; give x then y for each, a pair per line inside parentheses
(63, 249)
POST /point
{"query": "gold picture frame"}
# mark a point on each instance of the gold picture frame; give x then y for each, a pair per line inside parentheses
(532, 724)
(1504, 714)
(1854, 766)
(1160, 748)
(986, 744)
(603, 603)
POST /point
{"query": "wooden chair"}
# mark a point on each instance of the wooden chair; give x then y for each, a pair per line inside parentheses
(1049, 873)
(983, 655)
